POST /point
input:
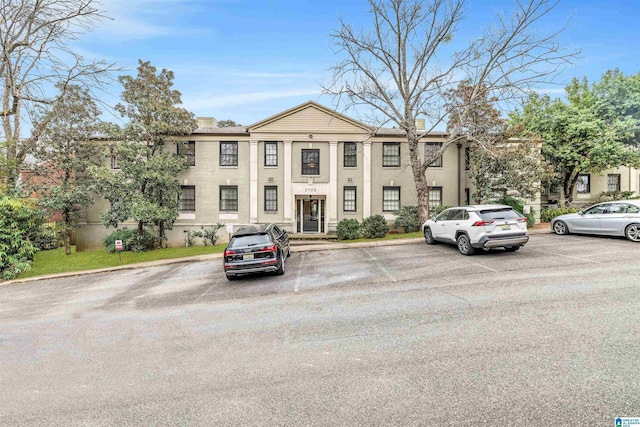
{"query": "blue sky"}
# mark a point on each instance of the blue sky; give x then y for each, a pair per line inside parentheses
(248, 59)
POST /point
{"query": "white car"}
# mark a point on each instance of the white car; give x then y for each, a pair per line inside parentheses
(618, 218)
(478, 227)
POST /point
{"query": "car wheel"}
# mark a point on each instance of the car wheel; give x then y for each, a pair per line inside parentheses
(633, 232)
(429, 237)
(231, 277)
(512, 248)
(559, 227)
(280, 270)
(464, 245)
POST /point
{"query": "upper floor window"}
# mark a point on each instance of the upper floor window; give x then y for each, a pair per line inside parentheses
(349, 199)
(390, 154)
(187, 150)
(271, 153)
(270, 199)
(228, 154)
(310, 162)
(390, 199)
(431, 150)
(583, 184)
(228, 197)
(613, 182)
(350, 155)
(187, 198)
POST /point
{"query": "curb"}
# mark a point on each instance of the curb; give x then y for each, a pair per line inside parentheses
(315, 247)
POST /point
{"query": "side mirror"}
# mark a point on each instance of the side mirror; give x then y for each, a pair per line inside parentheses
(581, 213)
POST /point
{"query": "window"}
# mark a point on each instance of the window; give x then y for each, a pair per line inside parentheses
(187, 150)
(349, 199)
(350, 155)
(435, 197)
(467, 196)
(613, 182)
(390, 154)
(390, 199)
(271, 153)
(583, 185)
(310, 162)
(228, 154)
(187, 198)
(467, 158)
(270, 199)
(431, 149)
(229, 198)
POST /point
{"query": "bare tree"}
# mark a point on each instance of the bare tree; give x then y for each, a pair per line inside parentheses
(404, 66)
(35, 38)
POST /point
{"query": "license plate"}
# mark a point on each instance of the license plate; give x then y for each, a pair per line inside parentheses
(247, 256)
(506, 227)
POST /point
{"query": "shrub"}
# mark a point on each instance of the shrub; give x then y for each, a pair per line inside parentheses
(19, 221)
(374, 227)
(210, 234)
(408, 219)
(518, 206)
(49, 237)
(546, 215)
(131, 240)
(348, 229)
(607, 196)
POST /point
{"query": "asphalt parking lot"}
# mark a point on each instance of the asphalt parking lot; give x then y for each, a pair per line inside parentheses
(390, 335)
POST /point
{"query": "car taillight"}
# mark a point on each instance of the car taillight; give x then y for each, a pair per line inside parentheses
(521, 219)
(272, 248)
(481, 223)
(229, 253)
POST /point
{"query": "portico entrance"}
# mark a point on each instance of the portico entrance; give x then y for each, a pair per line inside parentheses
(310, 212)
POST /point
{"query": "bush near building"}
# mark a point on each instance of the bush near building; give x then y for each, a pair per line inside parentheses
(348, 229)
(20, 222)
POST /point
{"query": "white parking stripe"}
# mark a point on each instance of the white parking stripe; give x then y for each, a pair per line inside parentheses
(568, 256)
(380, 266)
(485, 267)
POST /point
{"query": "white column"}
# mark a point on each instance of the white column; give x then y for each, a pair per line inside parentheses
(253, 181)
(289, 198)
(366, 190)
(331, 206)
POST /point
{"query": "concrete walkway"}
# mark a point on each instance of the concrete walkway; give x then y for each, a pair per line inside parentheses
(296, 247)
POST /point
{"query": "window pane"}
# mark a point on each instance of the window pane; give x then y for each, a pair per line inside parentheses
(350, 155)
(310, 162)
(390, 154)
(582, 185)
(228, 198)
(271, 154)
(187, 199)
(349, 202)
(228, 154)
(435, 197)
(270, 198)
(613, 182)
(391, 199)
(188, 151)
(430, 150)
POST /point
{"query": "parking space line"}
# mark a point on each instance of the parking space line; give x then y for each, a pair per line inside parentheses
(380, 266)
(299, 275)
(485, 267)
(568, 256)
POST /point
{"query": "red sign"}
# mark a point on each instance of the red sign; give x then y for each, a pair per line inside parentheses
(118, 245)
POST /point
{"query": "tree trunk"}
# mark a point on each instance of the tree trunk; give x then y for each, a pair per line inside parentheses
(419, 168)
(67, 242)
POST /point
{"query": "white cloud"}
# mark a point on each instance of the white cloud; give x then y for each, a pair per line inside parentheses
(210, 102)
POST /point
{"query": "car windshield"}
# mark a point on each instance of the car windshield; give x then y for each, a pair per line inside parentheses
(503, 213)
(250, 240)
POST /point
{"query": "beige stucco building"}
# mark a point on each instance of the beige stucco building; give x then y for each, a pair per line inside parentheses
(305, 169)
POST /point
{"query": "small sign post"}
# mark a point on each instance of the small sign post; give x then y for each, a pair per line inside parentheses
(119, 248)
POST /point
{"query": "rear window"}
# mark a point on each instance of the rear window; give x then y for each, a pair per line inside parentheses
(251, 240)
(499, 214)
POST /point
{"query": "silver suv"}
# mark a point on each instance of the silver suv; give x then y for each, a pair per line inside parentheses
(478, 227)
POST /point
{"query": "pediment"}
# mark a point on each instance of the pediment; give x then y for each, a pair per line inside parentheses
(309, 117)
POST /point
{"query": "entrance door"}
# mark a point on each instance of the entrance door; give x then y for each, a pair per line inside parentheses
(310, 215)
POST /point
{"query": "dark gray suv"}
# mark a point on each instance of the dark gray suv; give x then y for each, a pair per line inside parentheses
(256, 249)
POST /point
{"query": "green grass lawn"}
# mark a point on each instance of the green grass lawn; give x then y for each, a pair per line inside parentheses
(55, 261)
